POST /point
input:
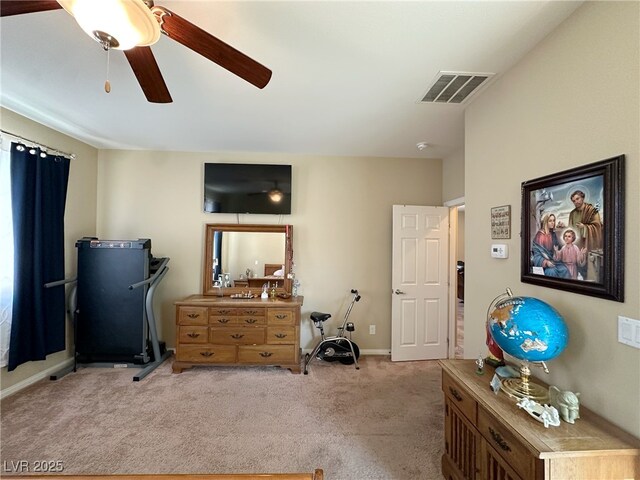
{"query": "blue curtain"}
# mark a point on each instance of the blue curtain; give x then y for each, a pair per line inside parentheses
(217, 253)
(38, 194)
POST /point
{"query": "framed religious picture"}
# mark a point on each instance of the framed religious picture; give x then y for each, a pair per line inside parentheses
(501, 222)
(573, 230)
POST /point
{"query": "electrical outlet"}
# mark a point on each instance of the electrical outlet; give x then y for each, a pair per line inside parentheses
(372, 329)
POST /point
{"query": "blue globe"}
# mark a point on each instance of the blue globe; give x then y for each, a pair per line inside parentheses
(527, 328)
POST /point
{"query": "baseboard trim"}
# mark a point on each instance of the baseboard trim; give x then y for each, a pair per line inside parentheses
(375, 352)
(5, 392)
(362, 352)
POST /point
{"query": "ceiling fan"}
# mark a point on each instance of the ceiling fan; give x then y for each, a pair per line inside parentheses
(134, 25)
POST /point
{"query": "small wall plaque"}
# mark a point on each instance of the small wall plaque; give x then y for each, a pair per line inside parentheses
(501, 222)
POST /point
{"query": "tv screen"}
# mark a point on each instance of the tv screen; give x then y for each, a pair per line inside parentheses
(247, 188)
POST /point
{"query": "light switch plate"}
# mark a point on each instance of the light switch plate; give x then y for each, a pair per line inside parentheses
(629, 331)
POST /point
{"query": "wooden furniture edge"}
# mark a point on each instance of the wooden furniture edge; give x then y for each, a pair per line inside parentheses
(238, 302)
(318, 474)
(542, 450)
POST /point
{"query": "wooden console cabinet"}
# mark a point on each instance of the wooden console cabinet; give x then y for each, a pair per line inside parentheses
(225, 331)
(487, 437)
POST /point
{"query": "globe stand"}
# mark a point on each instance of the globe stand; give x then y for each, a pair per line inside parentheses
(522, 388)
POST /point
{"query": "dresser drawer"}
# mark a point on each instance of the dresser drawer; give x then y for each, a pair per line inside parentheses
(280, 317)
(252, 320)
(506, 444)
(223, 320)
(236, 335)
(281, 335)
(192, 315)
(206, 354)
(267, 354)
(251, 312)
(193, 334)
(459, 397)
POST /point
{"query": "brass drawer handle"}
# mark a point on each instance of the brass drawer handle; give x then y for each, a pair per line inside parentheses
(193, 315)
(223, 320)
(455, 394)
(237, 335)
(251, 320)
(207, 354)
(224, 312)
(281, 335)
(281, 316)
(193, 334)
(499, 440)
(252, 312)
(265, 354)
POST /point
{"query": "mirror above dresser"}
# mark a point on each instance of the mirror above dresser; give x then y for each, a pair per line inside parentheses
(242, 258)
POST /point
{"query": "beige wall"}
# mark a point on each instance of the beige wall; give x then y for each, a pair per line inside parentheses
(341, 213)
(573, 100)
(453, 176)
(79, 219)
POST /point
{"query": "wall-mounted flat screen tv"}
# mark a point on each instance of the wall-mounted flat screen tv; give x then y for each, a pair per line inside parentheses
(247, 188)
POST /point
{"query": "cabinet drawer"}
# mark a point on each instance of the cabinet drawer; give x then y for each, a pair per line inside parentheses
(237, 336)
(251, 320)
(223, 320)
(192, 315)
(223, 311)
(193, 334)
(506, 444)
(206, 354)
(280, 317)
(460, 397)
(267, 354)
(281, 335)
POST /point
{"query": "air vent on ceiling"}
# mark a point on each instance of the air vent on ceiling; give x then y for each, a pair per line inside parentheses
(455, 87)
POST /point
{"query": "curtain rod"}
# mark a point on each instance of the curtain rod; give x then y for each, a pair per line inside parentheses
(39, 145)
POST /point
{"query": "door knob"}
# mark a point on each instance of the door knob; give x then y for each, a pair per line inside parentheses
(398, 292)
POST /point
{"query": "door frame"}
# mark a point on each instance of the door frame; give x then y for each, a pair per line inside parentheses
(453, 272)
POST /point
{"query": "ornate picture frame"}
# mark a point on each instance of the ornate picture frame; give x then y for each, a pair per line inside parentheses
(573, 230)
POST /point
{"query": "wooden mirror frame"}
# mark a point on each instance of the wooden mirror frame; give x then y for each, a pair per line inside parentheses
(207, 280)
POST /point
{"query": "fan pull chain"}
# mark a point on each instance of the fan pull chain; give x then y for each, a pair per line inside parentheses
(107, 84)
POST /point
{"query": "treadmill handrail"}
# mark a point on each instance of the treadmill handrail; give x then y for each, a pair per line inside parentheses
(60, 282)
(153, 277)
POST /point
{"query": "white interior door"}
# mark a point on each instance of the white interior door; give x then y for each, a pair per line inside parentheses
(420, 285)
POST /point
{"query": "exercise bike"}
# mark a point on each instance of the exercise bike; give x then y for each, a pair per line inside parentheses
(335, 348)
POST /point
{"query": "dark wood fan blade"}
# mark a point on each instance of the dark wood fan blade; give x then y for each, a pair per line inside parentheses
(146, 70)
(18, 7)
(193, 37)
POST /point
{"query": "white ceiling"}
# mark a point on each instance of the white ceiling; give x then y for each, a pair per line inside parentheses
(347, 76)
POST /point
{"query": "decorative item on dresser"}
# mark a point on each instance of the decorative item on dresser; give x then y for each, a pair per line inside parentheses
(487, 437)
(226, 331)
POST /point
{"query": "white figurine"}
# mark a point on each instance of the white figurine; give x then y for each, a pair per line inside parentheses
(480, 364)
(545, 414)
(566, 402)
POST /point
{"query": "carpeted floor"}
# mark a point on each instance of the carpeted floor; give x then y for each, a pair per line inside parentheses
(384, 421)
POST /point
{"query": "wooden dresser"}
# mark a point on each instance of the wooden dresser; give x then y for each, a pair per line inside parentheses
(487, 437)
(221, 330)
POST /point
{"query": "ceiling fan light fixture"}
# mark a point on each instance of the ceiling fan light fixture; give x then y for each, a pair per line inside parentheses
(276, 195)
(120, 24)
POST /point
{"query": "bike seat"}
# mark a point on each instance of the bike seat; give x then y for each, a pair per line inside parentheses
(320, 317)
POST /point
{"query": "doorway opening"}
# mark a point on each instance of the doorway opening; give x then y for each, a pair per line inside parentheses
(456, 275)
